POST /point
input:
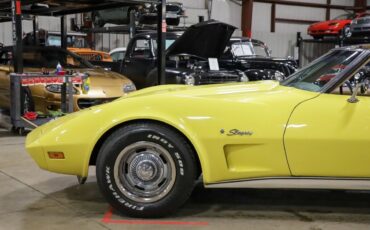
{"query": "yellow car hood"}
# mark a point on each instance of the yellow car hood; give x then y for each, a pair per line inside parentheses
(212, 91)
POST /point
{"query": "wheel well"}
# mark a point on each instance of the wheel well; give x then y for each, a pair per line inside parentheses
(99, 144)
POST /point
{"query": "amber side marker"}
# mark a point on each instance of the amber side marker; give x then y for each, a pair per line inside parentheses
(56, 155)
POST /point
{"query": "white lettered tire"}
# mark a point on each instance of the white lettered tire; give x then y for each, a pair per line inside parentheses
(146, 170)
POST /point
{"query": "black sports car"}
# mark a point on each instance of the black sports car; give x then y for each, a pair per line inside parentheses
(253, 57)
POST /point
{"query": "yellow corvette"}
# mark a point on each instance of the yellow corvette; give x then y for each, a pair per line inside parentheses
(310, 131)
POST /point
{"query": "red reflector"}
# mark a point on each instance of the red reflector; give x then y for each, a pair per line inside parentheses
(18, 8)
(56, 155)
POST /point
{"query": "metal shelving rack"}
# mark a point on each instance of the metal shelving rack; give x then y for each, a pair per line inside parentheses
(61, 8)
(310, 49)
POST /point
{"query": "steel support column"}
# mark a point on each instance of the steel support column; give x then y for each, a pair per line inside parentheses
(327, 13)
(360, 5)
(247, 13)
(273, 18)
(132, 24)
(35, 26)
(15, 85)
(17, 36)
(63, 31)
(63, 36)
(161, 42)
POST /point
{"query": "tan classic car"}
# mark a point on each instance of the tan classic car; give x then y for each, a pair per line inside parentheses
(101, 85)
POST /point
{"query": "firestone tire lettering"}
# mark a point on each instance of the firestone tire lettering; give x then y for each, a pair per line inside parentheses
(178, 149)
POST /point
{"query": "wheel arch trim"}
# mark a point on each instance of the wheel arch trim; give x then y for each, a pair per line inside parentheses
(188, 134)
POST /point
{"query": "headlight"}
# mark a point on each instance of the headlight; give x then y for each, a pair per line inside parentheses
(189, 80)
(147, 5)
(54, 88)
(334, 24)
(128, 88)
(279, 76)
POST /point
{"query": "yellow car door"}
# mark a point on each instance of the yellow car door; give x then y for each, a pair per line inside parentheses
(329, 137)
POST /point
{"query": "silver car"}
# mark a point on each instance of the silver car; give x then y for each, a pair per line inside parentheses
(145, 14)
(360, 26)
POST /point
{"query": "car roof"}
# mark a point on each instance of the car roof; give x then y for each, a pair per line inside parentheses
(361, 47)
(119, 49)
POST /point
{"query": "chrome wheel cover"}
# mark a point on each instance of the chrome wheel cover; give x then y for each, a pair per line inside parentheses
(144, 172)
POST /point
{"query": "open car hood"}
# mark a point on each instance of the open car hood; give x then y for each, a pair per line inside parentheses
(206, 39)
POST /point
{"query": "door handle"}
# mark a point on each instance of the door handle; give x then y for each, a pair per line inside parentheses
(127, 61)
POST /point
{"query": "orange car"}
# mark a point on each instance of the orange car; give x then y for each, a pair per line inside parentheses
(92, 55)
(76, 43)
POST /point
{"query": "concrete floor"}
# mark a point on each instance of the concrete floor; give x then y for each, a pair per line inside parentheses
(31, 198)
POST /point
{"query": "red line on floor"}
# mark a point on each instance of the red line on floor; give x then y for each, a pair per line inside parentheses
(108, 220)
(108, 216)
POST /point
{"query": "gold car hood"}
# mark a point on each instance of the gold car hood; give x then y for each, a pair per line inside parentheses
(101, 77)
(105, 84)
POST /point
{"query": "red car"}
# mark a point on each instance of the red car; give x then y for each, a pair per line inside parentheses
(333, 27)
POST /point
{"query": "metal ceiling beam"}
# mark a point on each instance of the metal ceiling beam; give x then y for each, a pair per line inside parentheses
(306, 4)
(65, 7)
(65, 10)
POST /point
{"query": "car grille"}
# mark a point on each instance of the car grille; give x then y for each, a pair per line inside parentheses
(363, 21)
(361, 28)
(91, 57)
(173, 8)
(217, 77)
(88, 102)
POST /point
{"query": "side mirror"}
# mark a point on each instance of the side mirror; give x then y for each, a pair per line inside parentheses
(361, 79)
(269, 52)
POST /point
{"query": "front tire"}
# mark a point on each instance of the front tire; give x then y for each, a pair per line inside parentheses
(146, 170)
(347, 31)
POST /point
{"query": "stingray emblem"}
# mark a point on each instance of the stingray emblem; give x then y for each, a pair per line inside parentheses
(237, 132)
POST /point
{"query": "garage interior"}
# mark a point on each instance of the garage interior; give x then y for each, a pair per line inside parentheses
(32, 198)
